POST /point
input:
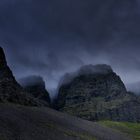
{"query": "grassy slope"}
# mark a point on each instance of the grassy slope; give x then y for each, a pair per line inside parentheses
(31, 123)
(132, 129)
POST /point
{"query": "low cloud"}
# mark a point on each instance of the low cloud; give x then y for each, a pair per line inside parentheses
(49, 38)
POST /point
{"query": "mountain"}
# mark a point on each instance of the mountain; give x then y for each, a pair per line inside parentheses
(35, 86)
(23, 114)
(41, 123)
(10, 90)
(97, 93)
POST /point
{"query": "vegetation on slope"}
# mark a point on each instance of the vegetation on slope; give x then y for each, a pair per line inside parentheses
(131, 129)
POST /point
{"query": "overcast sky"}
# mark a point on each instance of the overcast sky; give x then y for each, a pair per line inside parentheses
(52, 37)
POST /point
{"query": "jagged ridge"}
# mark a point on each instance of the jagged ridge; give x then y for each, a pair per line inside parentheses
(10, 90)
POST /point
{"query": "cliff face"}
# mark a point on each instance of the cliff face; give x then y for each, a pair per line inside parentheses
(35, 86)
(97, 93)
(10, 90)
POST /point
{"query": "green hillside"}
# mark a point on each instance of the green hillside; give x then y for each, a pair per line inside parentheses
(132, 129)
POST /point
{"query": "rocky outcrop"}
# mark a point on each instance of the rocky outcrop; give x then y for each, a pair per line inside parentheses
(35, 86)
(10, 90)
(97, 93)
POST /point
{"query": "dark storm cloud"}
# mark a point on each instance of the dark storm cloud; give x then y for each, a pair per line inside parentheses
(51, 37)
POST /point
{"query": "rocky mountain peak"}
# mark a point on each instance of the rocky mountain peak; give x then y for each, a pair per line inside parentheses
(100, 69)
(97, 93)
(10, 90)
(5, 72)
(32, 81)
(2, 58)
(35, 86)
(95, 69)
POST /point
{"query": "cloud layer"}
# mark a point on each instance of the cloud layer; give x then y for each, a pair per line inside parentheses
(51, 37)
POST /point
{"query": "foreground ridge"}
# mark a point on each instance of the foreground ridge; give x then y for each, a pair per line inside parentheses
(47, 124)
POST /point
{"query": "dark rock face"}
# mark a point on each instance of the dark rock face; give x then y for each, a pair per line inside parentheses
(35, 86)
(2, 58)
(98, 94)
(10, 90)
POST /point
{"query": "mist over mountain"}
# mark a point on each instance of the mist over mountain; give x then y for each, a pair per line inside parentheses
(10, 90)
(31, 80)
(96, 92)
(85, 70)
(49, 38)
(69, 69)
(35, 86)
(134, 87)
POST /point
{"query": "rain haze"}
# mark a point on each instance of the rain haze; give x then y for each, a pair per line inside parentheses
(50, 37)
